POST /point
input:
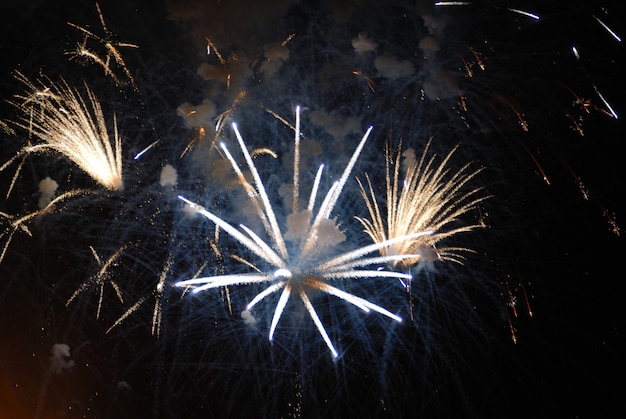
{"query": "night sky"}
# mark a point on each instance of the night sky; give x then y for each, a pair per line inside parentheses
(530, 325)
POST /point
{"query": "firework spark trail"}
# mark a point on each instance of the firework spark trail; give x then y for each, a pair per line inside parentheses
(427, 198)
(525, 13)
(111, 46)
(100, 278)
(64, 122)
(145, 150)
(609, 30)
(157, 312)
(303, 268)
(20, 222)
(18, 170)
(9, 233)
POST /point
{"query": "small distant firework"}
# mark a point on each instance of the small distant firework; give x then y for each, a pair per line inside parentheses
(110, 44)
(65, 122)
(157, 292)
(428, 197)
(306, 266)
(99, 279)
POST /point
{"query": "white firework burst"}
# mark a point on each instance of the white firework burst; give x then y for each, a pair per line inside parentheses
(304, 266)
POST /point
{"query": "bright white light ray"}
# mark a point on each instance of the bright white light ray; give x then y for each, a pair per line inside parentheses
(453, 3)
(613, 113)
(142, 152)
(316, 185)
(303, 267)
(524, 13)
(609, 30)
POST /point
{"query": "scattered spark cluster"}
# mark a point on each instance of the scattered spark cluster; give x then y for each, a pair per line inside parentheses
(64, 122)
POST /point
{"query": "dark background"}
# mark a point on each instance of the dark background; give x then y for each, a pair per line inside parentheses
(568, 358)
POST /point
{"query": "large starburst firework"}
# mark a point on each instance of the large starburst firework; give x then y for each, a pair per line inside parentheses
(305, 265)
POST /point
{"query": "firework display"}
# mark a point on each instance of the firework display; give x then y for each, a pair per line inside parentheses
(296, 209)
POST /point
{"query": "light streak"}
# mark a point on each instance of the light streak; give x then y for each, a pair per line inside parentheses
(142, 152)
(453, 3)
(613, 113)
(524, 13)
(609, 30)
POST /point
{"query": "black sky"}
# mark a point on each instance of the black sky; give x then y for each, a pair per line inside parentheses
(569, 359)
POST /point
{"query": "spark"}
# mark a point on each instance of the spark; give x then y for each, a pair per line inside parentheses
(100, 278)
(511, 302)
(609, 30)
(157, 311)
(523, 13)
(20, 223)
(111, 46)
(18, 170)
(262, 151)
(529, 309)
(544, 176)
(128, 312)
(142, 152)
(280, 118)
(463, 103)
(219, 125)
(66, 123)
(7, 129)
(610, 217)
(581, 186)
(428, 198)
(304, 268)
(370, 82)
(613, 113)
(9, 234)
(83, 52)
(576, 126)
(48, 208)
(468, 69)
(479, 61)
(520, 117)
(587, 104)
(453, 3)
(288, 39)
(211, 47)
